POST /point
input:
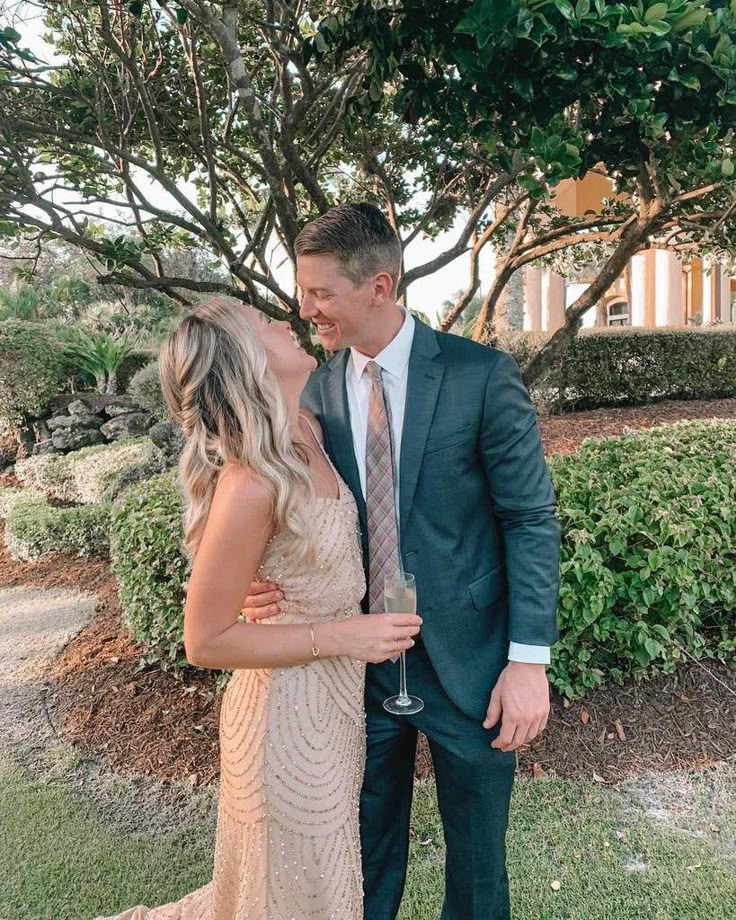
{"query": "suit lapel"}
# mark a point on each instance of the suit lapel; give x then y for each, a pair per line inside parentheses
(422, 389)
(338, 431)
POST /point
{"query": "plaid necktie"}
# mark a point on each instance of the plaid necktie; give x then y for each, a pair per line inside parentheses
(383, 541)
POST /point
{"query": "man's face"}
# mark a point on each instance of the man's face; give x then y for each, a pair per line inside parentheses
(341, 310)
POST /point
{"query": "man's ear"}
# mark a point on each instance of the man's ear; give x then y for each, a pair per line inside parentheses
(383, 287)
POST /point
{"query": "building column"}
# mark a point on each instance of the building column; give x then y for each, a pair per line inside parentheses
(668, 290)
(639, 288)
(707, 291)
(725, 297)
(532, 298)
(553, 300)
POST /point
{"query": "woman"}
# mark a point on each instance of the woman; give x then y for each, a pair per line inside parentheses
(263, 500)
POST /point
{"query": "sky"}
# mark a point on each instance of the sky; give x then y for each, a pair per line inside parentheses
(427, 294)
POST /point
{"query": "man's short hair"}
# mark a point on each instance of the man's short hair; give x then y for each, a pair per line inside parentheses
(359, 236)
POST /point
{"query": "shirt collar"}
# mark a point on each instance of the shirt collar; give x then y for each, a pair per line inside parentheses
(395, 356)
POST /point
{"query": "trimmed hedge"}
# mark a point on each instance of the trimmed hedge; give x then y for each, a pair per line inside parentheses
(92, 474)
(8, 494)
(648, 557)
(33, 528)
(145, 390)
(629, 366)
(131, 365)
(648, 562)
(32, 370)
(149, 563)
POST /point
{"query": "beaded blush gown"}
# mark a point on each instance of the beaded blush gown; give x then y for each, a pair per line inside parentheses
(292, 747)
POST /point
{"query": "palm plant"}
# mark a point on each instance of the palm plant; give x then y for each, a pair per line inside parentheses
(98, 354)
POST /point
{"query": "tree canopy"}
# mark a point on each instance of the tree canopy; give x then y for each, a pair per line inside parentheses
(223, 127)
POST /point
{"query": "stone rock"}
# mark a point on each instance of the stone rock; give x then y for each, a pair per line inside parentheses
(44, 447)
(130, 425)
(66, 439)
(79, 407)
(168, 437)
(8, 447)
(74, 422)
(115, 409)
(41, 430)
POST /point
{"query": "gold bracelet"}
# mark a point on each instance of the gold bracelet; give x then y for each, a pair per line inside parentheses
(315, 650)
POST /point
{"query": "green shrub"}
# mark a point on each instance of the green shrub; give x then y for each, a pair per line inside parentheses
(92, 474)
(32, 370)
(151, 567)
(131, 365)
(648, 564)
(33, 529)
(629, 366)
(145, 390)
(8, 494)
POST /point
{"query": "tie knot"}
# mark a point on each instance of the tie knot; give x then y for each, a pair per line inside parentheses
(376, 372)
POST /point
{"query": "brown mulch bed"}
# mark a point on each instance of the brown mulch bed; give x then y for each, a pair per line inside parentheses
(563, 433)
(145, 721)
(97, 691)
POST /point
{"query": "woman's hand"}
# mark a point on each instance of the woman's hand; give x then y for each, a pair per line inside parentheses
(371, 637)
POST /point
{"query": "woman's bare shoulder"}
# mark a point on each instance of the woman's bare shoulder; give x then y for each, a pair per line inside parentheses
(236, 482)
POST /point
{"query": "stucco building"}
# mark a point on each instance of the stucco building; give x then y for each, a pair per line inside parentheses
(656, 288)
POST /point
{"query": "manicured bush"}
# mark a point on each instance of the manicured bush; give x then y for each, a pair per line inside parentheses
(92, 474)
(151, 567)
(629, 366)
(648, 568)
(145, 390)
(8, 494)
(131, 365)
(32, 370)
(648, 564)
(33, 528)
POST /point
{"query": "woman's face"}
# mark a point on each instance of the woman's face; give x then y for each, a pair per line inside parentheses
(286, 358)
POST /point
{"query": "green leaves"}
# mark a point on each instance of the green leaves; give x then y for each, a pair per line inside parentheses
(9, 36)
(151, 567)
(652, 571)
(656, 11)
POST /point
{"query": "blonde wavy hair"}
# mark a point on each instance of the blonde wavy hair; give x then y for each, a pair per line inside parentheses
(218, 386)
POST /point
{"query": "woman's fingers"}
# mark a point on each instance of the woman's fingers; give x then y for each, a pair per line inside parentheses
(403, 619)
(262, 600)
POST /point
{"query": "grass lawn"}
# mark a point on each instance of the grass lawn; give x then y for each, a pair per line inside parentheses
(664, 849)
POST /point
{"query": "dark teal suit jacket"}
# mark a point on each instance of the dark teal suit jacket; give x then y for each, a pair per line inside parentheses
(478, 528)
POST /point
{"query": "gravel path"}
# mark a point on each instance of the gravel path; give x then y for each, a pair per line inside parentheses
(35, 624)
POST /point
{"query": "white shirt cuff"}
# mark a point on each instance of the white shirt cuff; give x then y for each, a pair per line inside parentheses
(531, 654)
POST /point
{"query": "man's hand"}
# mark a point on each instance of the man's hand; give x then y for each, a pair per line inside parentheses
(262, 602)
(521, 700)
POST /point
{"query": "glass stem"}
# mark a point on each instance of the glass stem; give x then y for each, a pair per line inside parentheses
(403, 695)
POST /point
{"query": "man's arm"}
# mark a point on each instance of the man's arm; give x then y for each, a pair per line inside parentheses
(523, 503)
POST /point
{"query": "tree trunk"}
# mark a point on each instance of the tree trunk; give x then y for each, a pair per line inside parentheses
(509, 311)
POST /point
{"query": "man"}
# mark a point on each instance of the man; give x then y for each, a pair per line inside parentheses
(445, 428)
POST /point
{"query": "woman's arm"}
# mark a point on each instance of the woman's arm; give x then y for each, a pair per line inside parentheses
(237, 532)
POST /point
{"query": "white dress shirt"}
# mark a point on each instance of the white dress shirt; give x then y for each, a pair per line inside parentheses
(394, 360)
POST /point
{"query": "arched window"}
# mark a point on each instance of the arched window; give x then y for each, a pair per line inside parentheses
(618, 313)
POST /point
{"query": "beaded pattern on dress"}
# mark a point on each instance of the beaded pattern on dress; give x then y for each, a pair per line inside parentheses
(292, 743)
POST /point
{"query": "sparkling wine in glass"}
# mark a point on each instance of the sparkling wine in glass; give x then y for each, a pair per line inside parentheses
(400, 596)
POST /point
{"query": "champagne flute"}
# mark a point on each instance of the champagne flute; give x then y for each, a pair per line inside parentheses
(400, 596)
